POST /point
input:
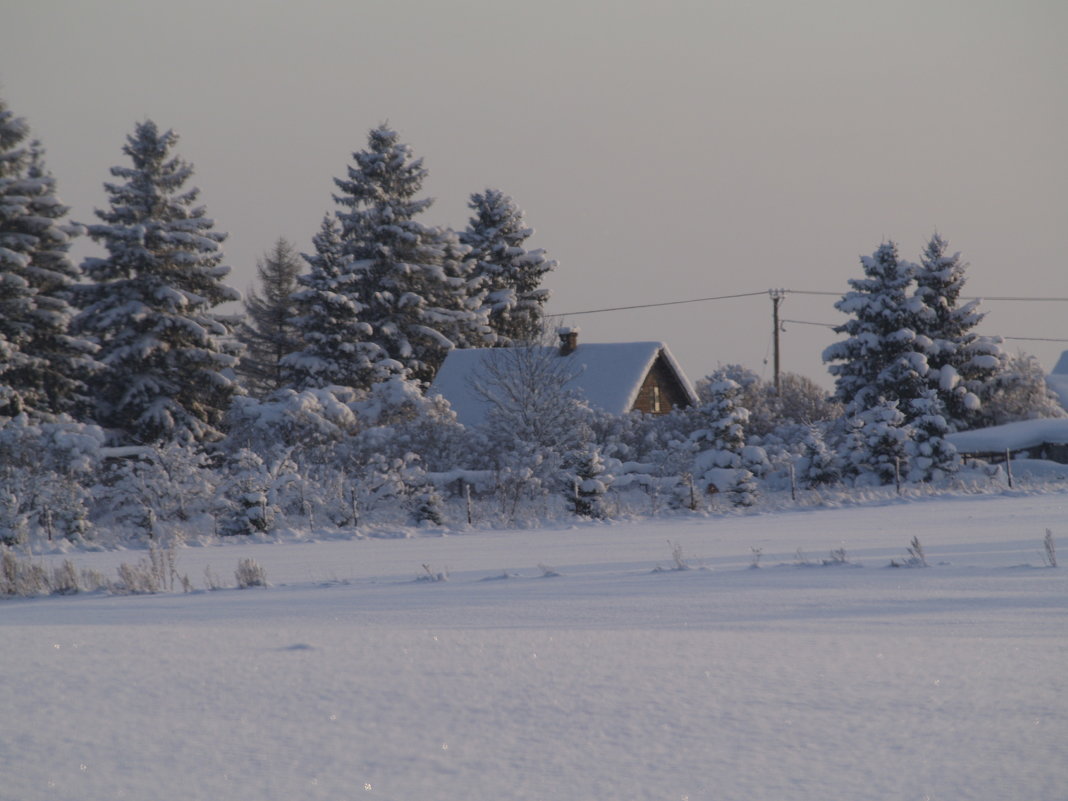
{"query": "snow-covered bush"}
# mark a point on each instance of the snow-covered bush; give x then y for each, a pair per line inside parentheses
(428, 507)
(395, 419)
(588, 484)
(797, 401)
(312, 420)
(245, 507)
(1018, 391)
(45, 471)
(143, 491)
(250, 573)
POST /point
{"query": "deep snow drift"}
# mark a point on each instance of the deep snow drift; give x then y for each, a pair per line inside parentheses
(350, 679)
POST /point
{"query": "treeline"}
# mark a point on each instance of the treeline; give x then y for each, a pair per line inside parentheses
(130, 405)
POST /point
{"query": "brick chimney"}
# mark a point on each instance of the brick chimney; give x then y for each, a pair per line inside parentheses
(568, 340)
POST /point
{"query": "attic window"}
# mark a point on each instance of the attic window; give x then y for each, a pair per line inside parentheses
(656, 398)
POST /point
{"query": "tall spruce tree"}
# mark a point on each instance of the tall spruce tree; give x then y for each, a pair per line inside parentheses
(412, 287)
(268, 331)
(880, 360)
(42, 366)
(962, 363)
(168, 356)
(507, 275)
(16, 295)
(335, 348)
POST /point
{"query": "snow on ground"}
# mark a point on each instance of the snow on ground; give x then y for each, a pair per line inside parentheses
(349, 679)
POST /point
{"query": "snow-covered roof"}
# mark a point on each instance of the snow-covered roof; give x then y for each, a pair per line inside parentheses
(1012, 436)
(608, 375)
(1061, 368)
(1058, 379)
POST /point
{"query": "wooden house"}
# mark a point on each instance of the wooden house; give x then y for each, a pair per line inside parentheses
(614, 377)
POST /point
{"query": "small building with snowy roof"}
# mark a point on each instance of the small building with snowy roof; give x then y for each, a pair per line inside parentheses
(614, 377)
(1045, 439)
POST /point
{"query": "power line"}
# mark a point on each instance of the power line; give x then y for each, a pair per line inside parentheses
(781, 292)
(1010, 298)
(970, 297)
(806, 322)
(652, 305)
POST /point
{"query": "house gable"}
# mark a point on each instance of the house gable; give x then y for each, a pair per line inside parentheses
(662, 390)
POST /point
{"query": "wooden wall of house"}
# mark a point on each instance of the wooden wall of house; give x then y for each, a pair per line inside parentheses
(660, 381)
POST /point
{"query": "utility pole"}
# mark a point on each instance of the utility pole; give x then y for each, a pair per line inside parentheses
(776, 298)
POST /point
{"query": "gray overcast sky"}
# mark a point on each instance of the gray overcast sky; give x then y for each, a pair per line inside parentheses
(663, 151)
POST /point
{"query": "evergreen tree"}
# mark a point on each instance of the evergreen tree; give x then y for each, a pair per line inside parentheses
(168, 367)
(931, 456)
(42, 366)
(961, 363)
(16, 295)
(878, 444)
(818, 463)
(506, 274)
(721, 440)
(881, 358)
(335, 349)
(412, 293)
(269, 333)
(588, 483)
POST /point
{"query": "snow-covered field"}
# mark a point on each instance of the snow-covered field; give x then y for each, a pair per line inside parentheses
(349, 679)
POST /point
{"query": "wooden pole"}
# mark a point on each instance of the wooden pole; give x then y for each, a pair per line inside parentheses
(776, 299)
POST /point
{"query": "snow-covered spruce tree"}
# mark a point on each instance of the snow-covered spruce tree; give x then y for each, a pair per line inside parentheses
(878, 444)
(588, 483)
(508, 275)
(268, 332)
(931, 456)
(720, 441)
(409, 285)
(244, 506)
(818, 464)
(961, 363)
(881, 358)
(168, 358)
(16, 295)
(335, 350)
(42, 366)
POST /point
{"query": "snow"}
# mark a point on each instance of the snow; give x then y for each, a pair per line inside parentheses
(608, 375)
(347, 678)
